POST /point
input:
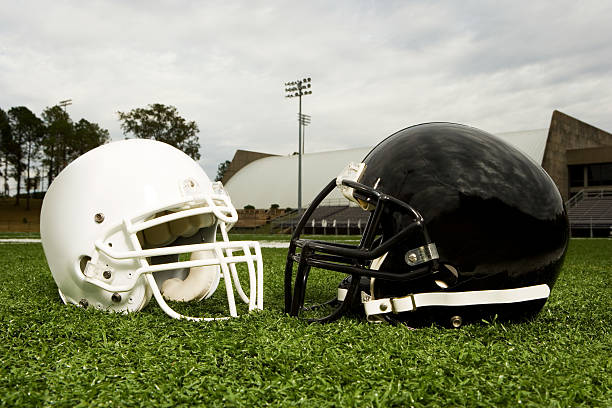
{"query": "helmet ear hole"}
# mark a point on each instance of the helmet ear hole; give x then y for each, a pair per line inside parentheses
(452, 270)
(83, 262)
(447, 276)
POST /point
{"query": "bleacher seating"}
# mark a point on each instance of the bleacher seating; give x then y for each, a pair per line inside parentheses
(334, 219)
(590, 213)
(255, 218)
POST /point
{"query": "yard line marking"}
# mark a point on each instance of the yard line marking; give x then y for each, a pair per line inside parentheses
(19, 240)
(263, 244)
(273, 244)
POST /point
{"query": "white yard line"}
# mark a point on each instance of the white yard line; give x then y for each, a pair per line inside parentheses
(274, 244)
(264, 244)
(19, 240)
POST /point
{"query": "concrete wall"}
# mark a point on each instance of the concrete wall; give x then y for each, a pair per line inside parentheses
(589, 155)
(568, 133)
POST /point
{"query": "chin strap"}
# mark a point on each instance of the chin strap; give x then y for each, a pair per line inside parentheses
(478, 297)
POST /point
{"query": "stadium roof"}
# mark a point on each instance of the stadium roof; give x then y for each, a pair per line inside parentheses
(273, 180)
(530, 142)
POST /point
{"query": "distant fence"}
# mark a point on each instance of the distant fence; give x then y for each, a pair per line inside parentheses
(16, 218)
(587, 194)
(17, 226)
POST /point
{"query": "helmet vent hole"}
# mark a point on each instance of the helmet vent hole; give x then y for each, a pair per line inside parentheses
(83, 262)
(452, 270)
(110, 244)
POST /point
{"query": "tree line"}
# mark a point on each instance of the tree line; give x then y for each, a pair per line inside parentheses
(33, 148)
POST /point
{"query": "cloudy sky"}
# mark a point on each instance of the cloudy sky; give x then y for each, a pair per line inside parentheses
(376, 67)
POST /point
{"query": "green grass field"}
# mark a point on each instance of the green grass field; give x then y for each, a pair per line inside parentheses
(56, 355)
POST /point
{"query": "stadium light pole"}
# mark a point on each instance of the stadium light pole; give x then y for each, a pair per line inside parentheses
(305, 121)
(61, 104)
(297, 89)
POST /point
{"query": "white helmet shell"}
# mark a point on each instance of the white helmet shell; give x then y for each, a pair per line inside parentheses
(125, 211)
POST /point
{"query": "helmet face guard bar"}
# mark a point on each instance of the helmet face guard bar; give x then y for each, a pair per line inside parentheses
(220, 207)
(350, 259)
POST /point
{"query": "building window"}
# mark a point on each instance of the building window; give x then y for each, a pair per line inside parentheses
(576, 175)
(599, 174)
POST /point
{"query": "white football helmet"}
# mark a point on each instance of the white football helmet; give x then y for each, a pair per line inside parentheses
(114, 222)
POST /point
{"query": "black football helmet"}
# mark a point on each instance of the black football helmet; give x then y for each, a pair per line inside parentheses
(462, 227)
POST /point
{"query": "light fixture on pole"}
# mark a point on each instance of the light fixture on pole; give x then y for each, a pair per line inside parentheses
(65, 103)
(297, 89)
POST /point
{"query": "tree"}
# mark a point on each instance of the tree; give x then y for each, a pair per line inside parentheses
(27, 130)
(64, 140)
(5, 147)
(221, 169)
(87, 136)
(32, 183)
(59, 134)
(162, 123)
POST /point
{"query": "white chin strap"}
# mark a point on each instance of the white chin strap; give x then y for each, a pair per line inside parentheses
(478, 297)
(374, 307)
(200, 283)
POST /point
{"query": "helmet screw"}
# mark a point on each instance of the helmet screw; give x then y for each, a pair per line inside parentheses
(383, 307)
(116, 297)
(412, 258)
(83, 303)
(98, 218)
(106, 274)
(456, 321)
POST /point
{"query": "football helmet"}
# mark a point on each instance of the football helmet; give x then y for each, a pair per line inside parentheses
(462, 227)
(139, 218)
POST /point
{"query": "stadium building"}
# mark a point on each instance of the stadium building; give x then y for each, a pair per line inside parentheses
(576, 155)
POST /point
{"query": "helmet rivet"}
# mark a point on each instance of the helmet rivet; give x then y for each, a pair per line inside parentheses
(106, 274)
(383, 307)
(412, 258)
(116, 297)
(456, 321)
(98, 218)
(83, 303)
